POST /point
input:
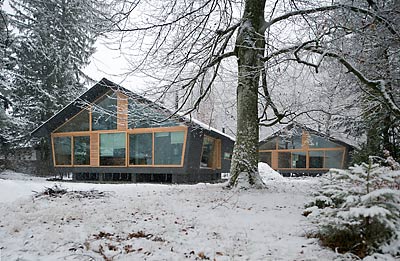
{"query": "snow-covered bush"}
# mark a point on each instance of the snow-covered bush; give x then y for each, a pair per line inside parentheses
(358, 210)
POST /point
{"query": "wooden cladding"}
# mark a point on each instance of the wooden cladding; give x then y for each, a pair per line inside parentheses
(94, 149)
(122, 111)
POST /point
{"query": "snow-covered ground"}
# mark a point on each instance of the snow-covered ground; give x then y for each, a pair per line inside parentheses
(156, 222)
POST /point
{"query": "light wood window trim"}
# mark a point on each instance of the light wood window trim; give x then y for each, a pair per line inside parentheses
(216, 162)
(275, 157)
(77, 134)
(54, 154)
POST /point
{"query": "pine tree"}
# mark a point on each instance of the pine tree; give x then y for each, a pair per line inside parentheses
(357, 210)
(54, 42)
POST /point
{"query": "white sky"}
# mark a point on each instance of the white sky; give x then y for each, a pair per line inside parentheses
(110, 64)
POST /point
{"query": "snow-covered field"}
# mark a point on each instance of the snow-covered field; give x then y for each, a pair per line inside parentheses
(156, 222)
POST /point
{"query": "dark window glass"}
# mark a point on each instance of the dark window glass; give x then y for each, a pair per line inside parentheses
(140, 149)
(293, 142)
(315, 141)
(144, 115)
(207, 156)
(168, 147)
(316, 159)
(265, 157)
(333, 159)
(298, 160)
(284, 159)
(269, 145)
(112, 149)
(81, 150)
(104, 113)
(62, 150)
(78, 123)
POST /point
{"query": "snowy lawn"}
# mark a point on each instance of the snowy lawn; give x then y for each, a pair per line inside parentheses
(155, 222)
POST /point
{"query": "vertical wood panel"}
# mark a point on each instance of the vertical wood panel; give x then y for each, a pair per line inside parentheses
(218, 147)
(122, 111)
(274, 159)
(94, 149)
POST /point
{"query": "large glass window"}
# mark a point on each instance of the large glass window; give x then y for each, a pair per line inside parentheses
(284, 159)
(269, 145)
(112, 149)
(207, 155)
(81, 150)
(140, 149)
(78, 123)
(299, 160)
(104, 113)
(168, 147)
(316, 159)
(320, 142)
(62, 150)
(293, 142)
(265, 157)
(333, 159)
(143, 115)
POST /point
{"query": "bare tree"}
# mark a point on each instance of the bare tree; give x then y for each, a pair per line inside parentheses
(181, 43)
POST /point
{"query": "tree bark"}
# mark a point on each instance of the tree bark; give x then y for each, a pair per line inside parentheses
(249, 48)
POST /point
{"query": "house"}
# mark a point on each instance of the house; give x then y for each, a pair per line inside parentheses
(112, 134)
(297, 149)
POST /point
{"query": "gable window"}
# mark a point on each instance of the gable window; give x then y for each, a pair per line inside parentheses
(104, 113)
(79, 122)
(112, 149)
(143, 115)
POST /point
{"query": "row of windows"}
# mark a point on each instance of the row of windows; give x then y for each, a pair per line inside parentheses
(298, 142)
(157, 148)
(103, 115)
(318, 159)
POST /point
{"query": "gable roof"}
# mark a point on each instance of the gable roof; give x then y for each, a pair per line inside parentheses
(294, 125)
(94, 93)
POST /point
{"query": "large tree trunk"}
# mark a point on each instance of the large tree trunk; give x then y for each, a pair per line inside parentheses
(249, 50)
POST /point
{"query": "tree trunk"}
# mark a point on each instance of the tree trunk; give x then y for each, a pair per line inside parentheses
(249, 50)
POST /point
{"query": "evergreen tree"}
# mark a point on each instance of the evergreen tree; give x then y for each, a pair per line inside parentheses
(55, 40)
(357, 210)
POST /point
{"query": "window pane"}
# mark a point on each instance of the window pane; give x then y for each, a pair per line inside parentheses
(143, 115)
(62, 150)
(140, 149)
(104, 113)
(298, 160)
(333, 159)
(269, 145)
(265, 157)
(293, 142)
(284, 159)
(82, 150)
(316, 159)
(168, 148)
(207, 156)
(320, 142)
(78, 123)
(112, 149)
